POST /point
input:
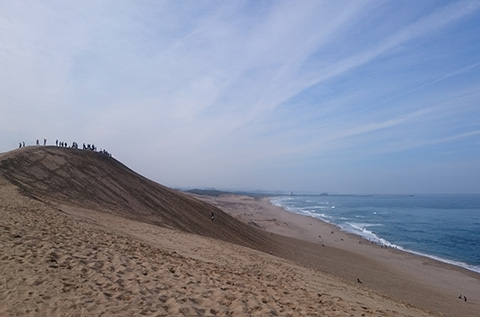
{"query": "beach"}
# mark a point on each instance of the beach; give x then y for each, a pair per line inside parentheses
(83, 235)
(79, 262)
(418, 280)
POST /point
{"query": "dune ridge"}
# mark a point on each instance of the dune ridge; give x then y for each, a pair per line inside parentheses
(85, 235)
(92, 180)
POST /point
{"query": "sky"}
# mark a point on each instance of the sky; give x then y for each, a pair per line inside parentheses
(346, 97)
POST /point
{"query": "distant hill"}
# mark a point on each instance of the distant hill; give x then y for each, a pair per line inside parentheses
(216, 193)
(94, 181)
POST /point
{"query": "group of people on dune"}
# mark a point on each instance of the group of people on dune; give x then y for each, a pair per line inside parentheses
(88, 147)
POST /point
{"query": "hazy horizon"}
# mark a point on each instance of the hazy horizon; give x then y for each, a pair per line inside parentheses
(315, 193)
(343, 97)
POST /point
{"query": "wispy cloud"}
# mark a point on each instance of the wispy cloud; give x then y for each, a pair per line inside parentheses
(225, 92)
(425, 25)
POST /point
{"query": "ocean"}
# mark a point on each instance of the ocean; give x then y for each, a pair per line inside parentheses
(443, 227)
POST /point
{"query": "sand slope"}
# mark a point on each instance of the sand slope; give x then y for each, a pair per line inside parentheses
(92, 180)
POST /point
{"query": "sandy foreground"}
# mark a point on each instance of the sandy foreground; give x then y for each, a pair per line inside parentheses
(428, 284)
(60, 260)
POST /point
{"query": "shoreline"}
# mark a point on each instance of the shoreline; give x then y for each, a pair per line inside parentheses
(429, 283)
(396, 248)
(389, 244)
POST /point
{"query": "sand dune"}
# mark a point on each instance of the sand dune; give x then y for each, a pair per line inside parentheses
(91, 180)
(82, 235)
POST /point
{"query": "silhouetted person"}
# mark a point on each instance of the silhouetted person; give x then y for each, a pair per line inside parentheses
(212, 216)
(23, 143)
(37, 142)
(56, 143)
(44, 142)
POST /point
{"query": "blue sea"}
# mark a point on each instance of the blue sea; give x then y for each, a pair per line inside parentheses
(443, 227)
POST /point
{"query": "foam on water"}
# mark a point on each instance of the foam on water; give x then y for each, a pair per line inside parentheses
(444, 228)
(360, 229)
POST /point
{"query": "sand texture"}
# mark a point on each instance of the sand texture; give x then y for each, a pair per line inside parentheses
(82, 235)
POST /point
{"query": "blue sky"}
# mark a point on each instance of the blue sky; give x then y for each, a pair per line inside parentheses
(322, 96)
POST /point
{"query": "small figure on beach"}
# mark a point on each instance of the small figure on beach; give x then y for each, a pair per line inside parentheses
(44, 141)
(212, 216)
(38, 143)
